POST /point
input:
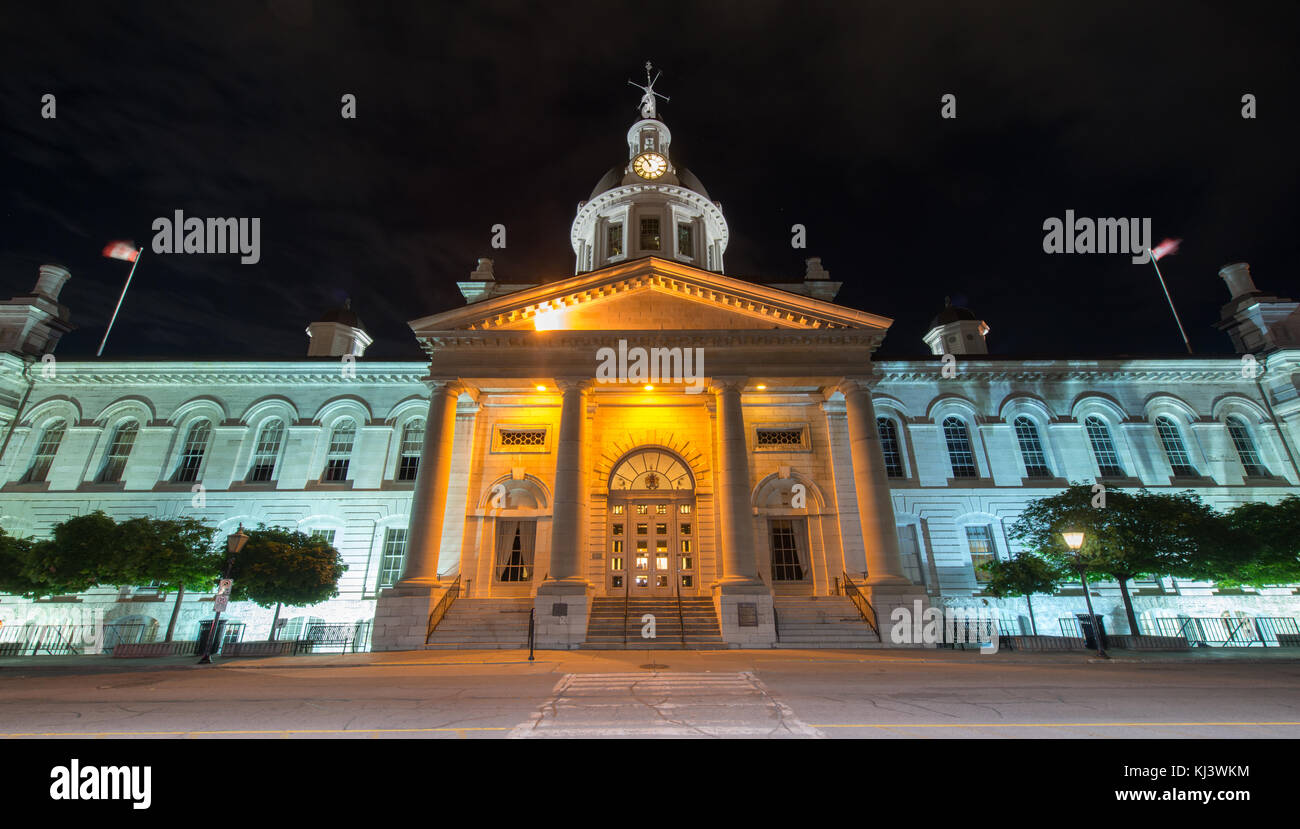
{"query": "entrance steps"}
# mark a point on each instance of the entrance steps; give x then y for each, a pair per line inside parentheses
(821, 622)
(483, 623)
(607, 630)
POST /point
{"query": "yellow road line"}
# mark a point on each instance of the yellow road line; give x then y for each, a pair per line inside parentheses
(459, 729)
(1041, 724)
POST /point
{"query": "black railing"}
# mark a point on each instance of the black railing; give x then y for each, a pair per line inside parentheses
(859, 600)
(1229, 632)
(532, 635)
(681, 618)
(627, 590)
(441, 608)
(321, 637)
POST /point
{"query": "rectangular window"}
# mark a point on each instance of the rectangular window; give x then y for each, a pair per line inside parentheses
(889, 447)
(789, 544)
(196, 445)
(393, 560)
(265, 453)
(520, 440)
(783, 438)
(1103, 448)
(45, 451)
(685, 240)
(515, 540)
(980, 540)
(960, 453)
(1250, 461)
(408, 466)
(340, 452)
(649, 233)
(324, 535)
(614, 239)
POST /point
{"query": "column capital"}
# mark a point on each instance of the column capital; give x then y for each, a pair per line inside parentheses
(724, 383)
(579, 384)
(856, 382)
(446, 385)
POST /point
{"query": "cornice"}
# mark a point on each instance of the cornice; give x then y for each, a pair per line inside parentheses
(1196, 370)
(152, 373)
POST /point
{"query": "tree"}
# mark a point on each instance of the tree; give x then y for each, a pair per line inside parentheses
(80, 554)
(279, 567)
(177, 553)
(1023, 575)
(15, 565)
(1257, 544)
(1126, 535)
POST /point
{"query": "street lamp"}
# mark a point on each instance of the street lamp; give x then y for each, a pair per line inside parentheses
(234, 543)
(1074, 540)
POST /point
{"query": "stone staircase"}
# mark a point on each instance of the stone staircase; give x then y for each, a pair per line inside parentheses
(483, 623)
(605, 628)
(822, 622)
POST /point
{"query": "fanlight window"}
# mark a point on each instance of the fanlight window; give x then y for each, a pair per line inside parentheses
(651, 470)
(959, 449)
(340, 451)
(196, 445)
(1246, 450)
(119, 449)
(1172, 441)
(1031, 449)
(1103, 448)
(266, 452)
(412, 442)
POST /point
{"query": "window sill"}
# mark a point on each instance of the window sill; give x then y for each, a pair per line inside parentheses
(328, 485)
(398, 486)
(1045, 483)
(252, 486)
(18, 486)
(94, 486)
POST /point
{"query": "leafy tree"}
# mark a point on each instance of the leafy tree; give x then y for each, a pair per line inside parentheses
(1128, 535)
(1256, 544)
(279, 567)
(177, 553)
(15, 565)
(1023, 575)
(78, 556)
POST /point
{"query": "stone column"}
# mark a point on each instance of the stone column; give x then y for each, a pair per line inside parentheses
(743, 602)
(734, 512)
(568, 523)
(561, 607)
(875, 506)
(402, 612)
(429, 501)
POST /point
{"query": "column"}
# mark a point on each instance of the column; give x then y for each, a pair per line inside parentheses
(875, 506)
(429, 502)
(568, 522)
(735, 515)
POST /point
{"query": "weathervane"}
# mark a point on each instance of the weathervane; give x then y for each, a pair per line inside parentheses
(647, 104)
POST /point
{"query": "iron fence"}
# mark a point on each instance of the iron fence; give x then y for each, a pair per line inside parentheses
(1228, 632)
(322, 637)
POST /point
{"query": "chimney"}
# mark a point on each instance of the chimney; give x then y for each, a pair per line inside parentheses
(814, 270)
(1237, 276)
(51, 281)
(483, 271)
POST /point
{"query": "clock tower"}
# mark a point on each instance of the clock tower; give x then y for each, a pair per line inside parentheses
(649, 206)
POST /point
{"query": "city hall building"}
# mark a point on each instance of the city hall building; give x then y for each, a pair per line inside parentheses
(650, 434)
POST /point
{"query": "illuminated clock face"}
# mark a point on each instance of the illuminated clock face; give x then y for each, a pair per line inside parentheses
(649, 165)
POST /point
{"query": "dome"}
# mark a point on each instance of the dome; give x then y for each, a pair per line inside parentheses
(614, 178)
(344, 316)
(952, 313)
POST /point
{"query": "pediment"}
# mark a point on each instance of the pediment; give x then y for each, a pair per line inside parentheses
(650, 294)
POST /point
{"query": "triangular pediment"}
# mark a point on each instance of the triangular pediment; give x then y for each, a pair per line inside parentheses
(650, 294)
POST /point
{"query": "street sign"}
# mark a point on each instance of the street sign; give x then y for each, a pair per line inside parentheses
(219, 603)
(223, 587)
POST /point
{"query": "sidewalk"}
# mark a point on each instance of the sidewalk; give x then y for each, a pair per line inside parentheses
(596, 661)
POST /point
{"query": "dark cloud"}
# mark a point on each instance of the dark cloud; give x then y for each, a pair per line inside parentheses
(485, 113)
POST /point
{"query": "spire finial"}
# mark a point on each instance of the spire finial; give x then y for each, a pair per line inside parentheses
(647, 104)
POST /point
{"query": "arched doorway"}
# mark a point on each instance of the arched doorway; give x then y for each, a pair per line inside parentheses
(651, 530)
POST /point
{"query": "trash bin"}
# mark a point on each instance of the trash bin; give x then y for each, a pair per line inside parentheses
(205, 629)
(1090, 625)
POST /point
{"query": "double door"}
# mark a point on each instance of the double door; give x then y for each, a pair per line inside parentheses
(651, 544)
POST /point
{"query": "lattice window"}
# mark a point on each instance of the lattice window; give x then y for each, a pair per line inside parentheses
(780, 438)
(340, 451)
(119, 449)
(1031, 449)
(788, 544)
(685, 240)
(980, 540)
(890, 447)
(1241, 439)
(614, 239)
(325, 535)
(1172, 441)
(393, 560)
(1103, 448)
(45, 451)
(408, 467)
(266, 452)
(196, 446)
(650, 234)
(521, 437)
(960, 453)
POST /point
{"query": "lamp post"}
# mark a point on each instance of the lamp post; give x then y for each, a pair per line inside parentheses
(234, 543)
(1074, 540)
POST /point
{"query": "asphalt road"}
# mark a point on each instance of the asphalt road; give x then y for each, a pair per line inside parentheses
(782, 694)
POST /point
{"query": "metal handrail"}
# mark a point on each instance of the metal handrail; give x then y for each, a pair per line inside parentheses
(627, 589)
(681, 619)
(859, 600)
(441, 608)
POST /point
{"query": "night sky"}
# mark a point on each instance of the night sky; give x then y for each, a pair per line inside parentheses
(472, 114)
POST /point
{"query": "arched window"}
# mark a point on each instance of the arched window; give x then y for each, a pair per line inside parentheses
(1031, 449)
(1246, 448)
(266, 451)
(408, 465)
(119, 449)
(1172, 441)
(45, 450)
(890, 447)
(196, 445)
(340, 451)
(960, 454)
(1103, 448)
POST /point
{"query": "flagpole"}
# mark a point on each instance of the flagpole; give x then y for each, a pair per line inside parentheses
(1156, 264)
(138, 254)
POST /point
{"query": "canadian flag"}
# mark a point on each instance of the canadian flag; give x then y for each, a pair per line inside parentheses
(1166, 247)
(125, 251)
